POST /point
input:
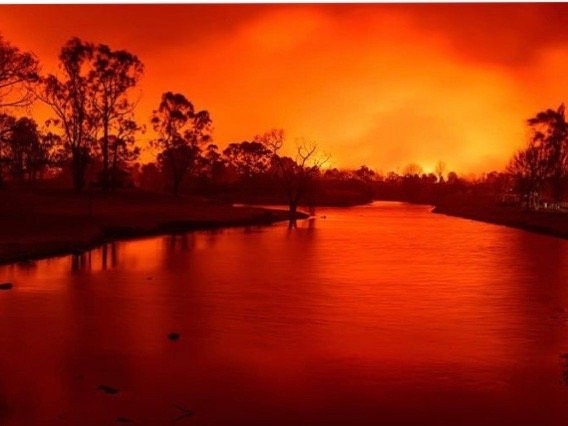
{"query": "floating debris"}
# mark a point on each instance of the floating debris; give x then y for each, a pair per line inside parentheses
(108, 389)
(564, 357)
(185, 411)
(6, 286)
(174, 336)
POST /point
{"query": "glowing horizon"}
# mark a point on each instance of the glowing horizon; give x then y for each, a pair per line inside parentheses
(380, 85)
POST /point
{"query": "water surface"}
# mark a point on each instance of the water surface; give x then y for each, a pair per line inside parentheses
(383, 314)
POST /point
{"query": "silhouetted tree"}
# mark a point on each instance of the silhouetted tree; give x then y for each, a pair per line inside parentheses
(6, 126)
(113, 74)
(92, 97)
(69, 98)
(181, 133)
(453, 178)
(214, 163)
(52, 145)
(121, 151)
(296, 174)
(365, 174)
(151, 177)
(550, 138)
(412, 169)
(526, 168)
(17, 70)
(25, 151)
(439, 170)
(248, 158)
(27, 155)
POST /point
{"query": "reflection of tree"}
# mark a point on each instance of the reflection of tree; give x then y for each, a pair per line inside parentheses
(113, 247)
(81, 262)
(178, 242)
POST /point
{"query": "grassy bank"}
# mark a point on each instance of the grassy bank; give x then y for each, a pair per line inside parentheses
(37, 225)
(486, 210)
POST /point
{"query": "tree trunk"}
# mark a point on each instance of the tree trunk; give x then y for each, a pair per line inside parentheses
(78, 170)
(175, 187)
(292, 208)
(105, 173)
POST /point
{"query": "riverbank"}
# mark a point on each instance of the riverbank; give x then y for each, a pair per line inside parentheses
(35, 226)
(543, 222)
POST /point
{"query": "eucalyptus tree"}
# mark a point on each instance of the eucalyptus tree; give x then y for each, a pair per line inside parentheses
(249, 159)
(17, 71)
(69, 97)
(550, 139)
(114, 73)
(122, 150)
(6, 126)
(182, 132)
(528, 172)
(91, 104)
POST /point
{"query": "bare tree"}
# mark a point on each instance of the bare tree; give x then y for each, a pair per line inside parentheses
(296, 174)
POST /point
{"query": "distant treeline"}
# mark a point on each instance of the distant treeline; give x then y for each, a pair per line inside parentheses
(92, 140)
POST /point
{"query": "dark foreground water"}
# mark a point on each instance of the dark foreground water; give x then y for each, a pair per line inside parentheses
(385, 314)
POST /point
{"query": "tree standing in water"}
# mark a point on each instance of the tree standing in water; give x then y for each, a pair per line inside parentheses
(296, 174)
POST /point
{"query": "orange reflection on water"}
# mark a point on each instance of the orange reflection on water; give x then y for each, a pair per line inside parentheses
(385, 313)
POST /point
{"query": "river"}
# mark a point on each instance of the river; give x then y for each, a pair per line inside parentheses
(380, 314)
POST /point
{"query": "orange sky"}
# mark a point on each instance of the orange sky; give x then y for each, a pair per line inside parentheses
(382, 85)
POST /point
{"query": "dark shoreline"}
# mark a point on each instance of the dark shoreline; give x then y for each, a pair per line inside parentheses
(55, 248)
(552, 224)
(546, 223)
